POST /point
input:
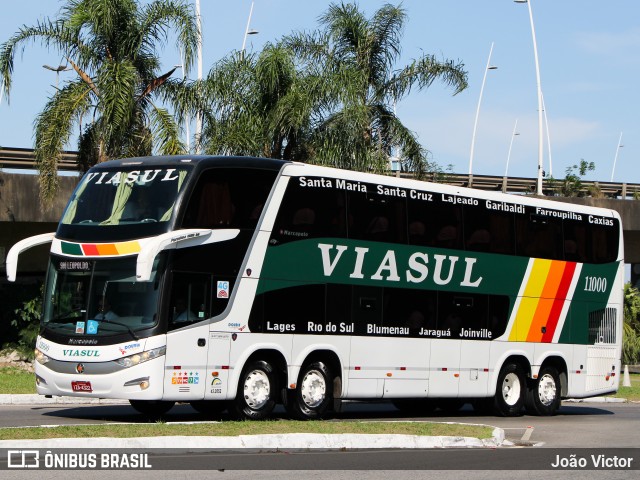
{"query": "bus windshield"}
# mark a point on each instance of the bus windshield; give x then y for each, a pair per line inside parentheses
(98, 298)
(121, 196)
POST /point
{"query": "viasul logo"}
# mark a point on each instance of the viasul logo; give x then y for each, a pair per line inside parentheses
(416, 270)
(81, 353)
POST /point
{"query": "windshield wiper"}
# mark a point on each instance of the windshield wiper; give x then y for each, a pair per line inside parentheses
(122, 325)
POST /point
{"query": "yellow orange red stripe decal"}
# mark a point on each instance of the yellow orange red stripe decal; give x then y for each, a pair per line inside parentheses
(544, 293)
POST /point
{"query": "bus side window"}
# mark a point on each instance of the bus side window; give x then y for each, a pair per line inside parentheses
(309, 212)
(434, 223)
(377, 218)
(215, 208)
(190, 299)
(540, 236)
(367, 305)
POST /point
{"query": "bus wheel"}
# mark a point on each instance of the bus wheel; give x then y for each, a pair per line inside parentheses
(152, 408)
(209, 407)
(543, 398)
(257, 390)
(313, 393)
(510, 391)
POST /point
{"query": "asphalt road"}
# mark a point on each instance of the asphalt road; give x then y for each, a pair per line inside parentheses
(604, 428)
(582, 425)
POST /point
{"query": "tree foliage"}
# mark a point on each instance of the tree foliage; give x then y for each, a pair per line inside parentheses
(112, 45)
(325, 97)
(356, 126)
(631, 334)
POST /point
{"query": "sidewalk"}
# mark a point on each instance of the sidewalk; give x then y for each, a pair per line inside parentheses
(257, 442)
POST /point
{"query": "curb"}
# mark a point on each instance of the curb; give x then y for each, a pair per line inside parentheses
(29, 399)
(597, 400)
(290, 441)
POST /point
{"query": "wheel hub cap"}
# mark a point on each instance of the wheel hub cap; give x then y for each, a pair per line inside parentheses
(547, 390)
(257, 389)
(511, 389)
(313, 389)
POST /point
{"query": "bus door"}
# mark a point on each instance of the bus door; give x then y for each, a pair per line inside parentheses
(187, 336)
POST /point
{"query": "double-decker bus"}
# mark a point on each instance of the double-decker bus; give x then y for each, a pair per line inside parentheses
(243, 283)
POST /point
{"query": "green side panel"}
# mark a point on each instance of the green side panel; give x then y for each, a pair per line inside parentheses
(591, 296)
(71, 248)
(317, 261)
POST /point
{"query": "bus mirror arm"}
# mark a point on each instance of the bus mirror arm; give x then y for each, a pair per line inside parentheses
(178, 239)
(21, 246)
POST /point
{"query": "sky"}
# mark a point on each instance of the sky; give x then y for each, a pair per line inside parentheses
(589, 59)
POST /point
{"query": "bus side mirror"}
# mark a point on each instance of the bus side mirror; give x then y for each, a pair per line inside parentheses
(21, 246)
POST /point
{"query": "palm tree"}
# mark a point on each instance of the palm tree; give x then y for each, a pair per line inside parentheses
(112, 46)
(259, 104)
(356, 56)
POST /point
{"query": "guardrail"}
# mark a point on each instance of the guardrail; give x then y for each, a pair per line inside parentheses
(23, 158)
(524, 185)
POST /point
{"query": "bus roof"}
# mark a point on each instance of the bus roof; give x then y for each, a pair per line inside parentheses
(201, 161)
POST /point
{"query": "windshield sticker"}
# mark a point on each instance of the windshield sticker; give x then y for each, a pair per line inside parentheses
(92, 327)
(129, 348)
(134, 176)
(82, 266)
(222, 289)
(80, 327)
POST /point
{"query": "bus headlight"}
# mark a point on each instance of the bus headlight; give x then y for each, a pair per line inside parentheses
(41, 358)
(138, 358)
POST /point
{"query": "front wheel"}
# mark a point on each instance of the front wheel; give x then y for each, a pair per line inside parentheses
(152, 408)
(313, 393)
(510, 391)
(257, 391)
(543, 398)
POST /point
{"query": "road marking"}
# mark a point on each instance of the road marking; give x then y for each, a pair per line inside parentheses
(527, 434)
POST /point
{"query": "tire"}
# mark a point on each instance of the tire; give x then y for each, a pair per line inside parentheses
(152, 408)
(257, 392)
(543, 398)
(510, 391)
(415, 406)
(313, 394)
(212, 408)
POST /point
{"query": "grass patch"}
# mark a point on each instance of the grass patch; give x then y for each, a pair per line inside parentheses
(631, 393)
(16, 380)
(246, 428)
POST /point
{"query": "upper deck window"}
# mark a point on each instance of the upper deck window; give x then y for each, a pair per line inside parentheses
(125, 196)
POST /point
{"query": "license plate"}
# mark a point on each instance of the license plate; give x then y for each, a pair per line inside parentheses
(81, 386)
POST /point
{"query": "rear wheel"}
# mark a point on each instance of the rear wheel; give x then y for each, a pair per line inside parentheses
(510, 391)
(543, 398)
(313, 393)
(257, 391)
(152, 408)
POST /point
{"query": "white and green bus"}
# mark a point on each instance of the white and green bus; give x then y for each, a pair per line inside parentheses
(243, 283)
